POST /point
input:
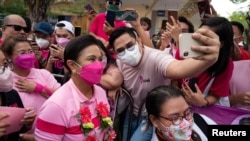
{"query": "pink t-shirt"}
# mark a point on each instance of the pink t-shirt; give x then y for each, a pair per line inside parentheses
(57, 119)
(97, 26)
(41, 76)
(150, 73)
(240, 81)
(220, 86)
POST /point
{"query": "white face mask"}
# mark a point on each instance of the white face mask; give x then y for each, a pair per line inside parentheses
(6, 80)
(131, 56)
(181, 132)
(42, 43)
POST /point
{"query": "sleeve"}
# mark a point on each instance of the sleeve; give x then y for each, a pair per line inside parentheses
(162, 61)
(221, 85)
(50, 79)
(49, 126)
(94, 25)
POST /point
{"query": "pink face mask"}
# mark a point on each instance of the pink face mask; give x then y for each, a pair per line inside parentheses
(92, 73)
(25, 61)
(62, 42)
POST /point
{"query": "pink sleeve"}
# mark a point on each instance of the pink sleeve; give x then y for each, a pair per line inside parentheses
(162, 61)
(49, 126)
(221, 85)
(94, 25)
(50, 79)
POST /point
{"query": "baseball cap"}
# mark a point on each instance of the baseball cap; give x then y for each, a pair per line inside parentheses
(65, 25)
(44, 27)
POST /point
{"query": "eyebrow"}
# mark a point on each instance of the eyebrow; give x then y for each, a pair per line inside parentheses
(176, 114)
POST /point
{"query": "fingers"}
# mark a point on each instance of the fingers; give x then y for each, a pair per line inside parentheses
(206, 36)
(4, 115)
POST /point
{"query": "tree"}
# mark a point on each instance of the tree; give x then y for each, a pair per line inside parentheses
(13, 7)
(38, 9)
(239, 16)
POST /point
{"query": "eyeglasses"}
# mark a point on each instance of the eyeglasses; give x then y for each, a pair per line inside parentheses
(114, 2)
(18, 28)
(21, 52)
(3, 67)
(121, 51)
(176, 120)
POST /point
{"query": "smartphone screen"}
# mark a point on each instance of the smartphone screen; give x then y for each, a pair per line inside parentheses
(204, 7)
(127, 15)
(110, 18)
(191, 84)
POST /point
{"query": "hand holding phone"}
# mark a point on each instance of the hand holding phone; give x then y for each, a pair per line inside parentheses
(204, 7)
(90, 9)
(185, 43)
(110, 17)
(127, 15)
(191, 84)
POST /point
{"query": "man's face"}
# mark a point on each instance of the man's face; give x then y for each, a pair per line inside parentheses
(123, 42)
(113, 5)
(15, 26)
(63, 33)
(184, 27)
(237, 34)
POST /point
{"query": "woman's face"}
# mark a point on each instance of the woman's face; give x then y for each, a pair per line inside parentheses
(89, 55)
(171, 109)
(21, 48)
(144, 25)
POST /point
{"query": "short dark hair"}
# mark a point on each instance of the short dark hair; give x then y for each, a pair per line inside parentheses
(76, 45)
(239, 25)
(146, 20)
(10, 42)
(186, 21)
(119, 32)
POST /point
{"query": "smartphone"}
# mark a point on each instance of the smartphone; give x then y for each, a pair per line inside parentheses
(110, 18)
(90, 8)
(204, 7)
(192, 82)
(127, 15)
(174, 14)
(185, 43)
(54, 47)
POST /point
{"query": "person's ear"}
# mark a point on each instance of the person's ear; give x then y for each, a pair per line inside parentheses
(72, 66)
(153, 120)
(139, 41)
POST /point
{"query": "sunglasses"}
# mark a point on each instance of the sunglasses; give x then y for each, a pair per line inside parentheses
(18, 28)
(114, 2)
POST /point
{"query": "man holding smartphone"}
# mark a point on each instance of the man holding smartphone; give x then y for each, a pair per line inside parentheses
(100, 28)
(64, 32)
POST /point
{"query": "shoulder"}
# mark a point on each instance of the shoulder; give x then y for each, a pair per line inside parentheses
(100, 15)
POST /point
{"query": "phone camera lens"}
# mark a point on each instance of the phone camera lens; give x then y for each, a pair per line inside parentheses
(185, 53)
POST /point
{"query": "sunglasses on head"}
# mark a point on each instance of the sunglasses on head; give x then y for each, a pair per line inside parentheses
(19, 28)
(114, 2)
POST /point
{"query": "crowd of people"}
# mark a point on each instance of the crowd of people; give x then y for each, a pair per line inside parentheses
(70, 86)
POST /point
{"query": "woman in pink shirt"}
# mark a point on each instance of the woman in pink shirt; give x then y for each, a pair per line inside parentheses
(81, 106)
